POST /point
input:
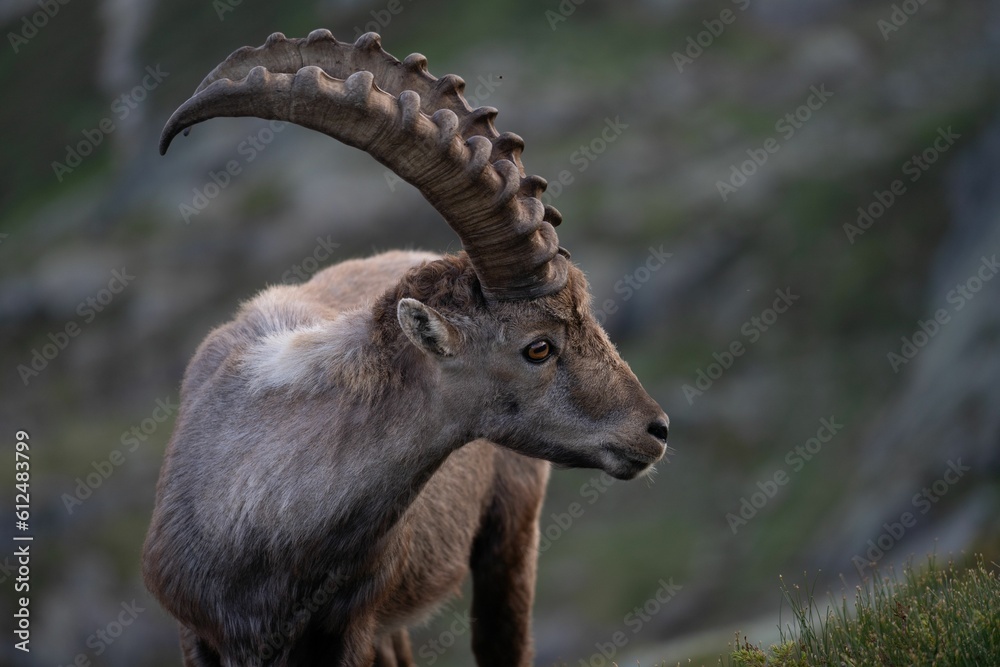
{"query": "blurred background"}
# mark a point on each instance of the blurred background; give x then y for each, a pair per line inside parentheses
(789, 214)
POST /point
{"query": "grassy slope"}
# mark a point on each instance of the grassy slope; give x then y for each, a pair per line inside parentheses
(934, 616)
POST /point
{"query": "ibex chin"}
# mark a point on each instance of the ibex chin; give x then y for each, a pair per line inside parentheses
(348, 449)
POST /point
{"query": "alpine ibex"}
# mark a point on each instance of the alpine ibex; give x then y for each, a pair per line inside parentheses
(348, 449)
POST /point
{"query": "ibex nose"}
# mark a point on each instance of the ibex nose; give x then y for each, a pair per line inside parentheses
(659, 429)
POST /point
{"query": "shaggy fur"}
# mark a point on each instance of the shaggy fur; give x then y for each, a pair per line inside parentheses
(340, 463)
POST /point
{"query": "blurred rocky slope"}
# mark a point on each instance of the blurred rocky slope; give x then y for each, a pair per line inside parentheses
(562, 80)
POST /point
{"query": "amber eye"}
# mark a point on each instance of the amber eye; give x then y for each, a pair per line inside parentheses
(538, 351)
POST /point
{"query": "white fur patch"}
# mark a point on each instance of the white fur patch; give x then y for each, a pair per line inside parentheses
(304, 358)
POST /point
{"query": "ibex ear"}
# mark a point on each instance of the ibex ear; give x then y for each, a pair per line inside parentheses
(426, 328)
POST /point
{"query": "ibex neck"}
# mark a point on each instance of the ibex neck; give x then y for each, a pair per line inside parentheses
(384, 472)
(407, 431)
(390, 426)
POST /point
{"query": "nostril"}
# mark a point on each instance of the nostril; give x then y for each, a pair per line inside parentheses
(659, 429)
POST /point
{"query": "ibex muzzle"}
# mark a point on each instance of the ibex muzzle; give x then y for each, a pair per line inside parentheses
(334, 473)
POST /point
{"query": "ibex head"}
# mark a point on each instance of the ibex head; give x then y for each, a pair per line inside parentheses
(504, 330)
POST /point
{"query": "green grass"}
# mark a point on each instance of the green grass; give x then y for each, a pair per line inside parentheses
(932, 616)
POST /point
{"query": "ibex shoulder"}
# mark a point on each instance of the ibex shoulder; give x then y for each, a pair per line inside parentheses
(305, 337)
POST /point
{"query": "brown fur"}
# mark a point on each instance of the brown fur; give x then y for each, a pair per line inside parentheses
(333, 476)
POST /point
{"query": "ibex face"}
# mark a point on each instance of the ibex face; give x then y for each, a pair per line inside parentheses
(543, 379)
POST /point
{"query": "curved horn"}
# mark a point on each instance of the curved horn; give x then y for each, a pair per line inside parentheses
(418, 126)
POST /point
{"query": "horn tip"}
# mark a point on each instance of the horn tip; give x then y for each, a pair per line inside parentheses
(168, 136)
(173, 127)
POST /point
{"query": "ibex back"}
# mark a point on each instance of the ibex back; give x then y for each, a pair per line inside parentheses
(347, 450)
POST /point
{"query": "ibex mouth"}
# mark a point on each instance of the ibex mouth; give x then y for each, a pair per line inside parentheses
(626, 463)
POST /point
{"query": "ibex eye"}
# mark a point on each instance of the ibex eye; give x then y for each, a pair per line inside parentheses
(538, 351)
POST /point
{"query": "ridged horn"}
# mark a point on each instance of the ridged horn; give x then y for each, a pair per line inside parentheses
(418, 126)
